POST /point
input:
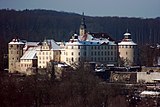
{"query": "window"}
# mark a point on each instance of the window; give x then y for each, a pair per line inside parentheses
(91, 53)
(105, 47)
(72, 53)
(66, 59)
(111, 47)
(111, 53)
(78, 47)
(126, 53)
(17, 46)
(11, 46)
(95, 53)
(91, 47)
(17, 52)
(72, 47)
(98, 53)
(84, 53)
(105, 53)
(101, 58)
(79, 53)
(108, 53)
(79, 59)
(102, 53)
(72, 59)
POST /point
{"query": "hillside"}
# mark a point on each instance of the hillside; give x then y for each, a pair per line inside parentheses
(39, 24)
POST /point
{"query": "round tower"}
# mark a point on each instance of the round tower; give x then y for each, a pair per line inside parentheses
(15, 52)
(127, 50)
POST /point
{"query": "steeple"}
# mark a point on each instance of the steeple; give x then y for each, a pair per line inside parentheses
(83, 27)
(127, 35)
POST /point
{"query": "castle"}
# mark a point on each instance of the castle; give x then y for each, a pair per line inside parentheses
(86, 47)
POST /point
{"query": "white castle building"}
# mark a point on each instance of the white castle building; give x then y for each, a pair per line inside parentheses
(86, 47)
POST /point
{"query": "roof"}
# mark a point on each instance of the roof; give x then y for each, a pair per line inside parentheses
(127, 42)
(90, 40)
(127, 34)
(16, 42)
(102, 35)
(54, 45)
(30, 53)
(30, 44)
(51, 43)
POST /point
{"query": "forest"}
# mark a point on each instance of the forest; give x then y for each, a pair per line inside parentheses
(38, 24)
(35, 25)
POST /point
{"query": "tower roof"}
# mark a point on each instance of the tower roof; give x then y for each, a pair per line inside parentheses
(127, 40)
(16, 41)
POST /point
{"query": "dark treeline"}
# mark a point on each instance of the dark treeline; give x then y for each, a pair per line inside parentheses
(80, 88)
(40, 24)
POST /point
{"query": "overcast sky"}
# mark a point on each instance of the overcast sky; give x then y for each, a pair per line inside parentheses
(129, 8)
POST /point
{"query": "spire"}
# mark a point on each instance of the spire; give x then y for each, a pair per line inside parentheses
(127, 30)
(83, 26)
(127, 35)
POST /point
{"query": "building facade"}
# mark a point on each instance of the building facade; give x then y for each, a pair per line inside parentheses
(98, 50)
(47, 51)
